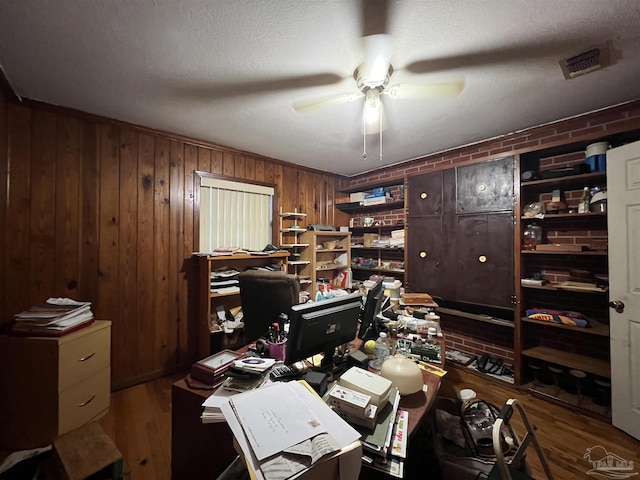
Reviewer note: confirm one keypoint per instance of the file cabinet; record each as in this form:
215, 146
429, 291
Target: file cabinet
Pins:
52, 385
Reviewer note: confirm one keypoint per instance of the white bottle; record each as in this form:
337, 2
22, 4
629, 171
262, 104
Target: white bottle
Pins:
381, 351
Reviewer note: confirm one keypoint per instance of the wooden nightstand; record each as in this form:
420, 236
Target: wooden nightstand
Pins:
52, 385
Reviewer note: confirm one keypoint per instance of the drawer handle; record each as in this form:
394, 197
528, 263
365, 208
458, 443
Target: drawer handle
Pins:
84, 359
87, 402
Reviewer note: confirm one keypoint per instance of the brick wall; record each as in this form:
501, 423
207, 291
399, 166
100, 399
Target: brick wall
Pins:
476, 337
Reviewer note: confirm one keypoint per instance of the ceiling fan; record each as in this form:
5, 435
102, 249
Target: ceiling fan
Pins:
373, 77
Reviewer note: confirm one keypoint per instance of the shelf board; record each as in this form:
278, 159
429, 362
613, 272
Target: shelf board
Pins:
583, 178
356, 207
595, 327
293, 245
564, 252
298, 262
378, 269
389, 249
474, 316
293, 230
293, 215
554, 216
575, 361
226, 294
385, 183
557, 287
332, 266
328, 250
245, 256
356, 231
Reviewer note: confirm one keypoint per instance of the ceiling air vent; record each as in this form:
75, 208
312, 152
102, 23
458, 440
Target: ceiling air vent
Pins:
586, 62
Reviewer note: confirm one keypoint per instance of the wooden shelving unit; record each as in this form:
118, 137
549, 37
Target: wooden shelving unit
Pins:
209, 300
290, 239
324, 263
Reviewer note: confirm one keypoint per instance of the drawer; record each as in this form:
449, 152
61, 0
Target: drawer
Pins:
83, 357
84, 401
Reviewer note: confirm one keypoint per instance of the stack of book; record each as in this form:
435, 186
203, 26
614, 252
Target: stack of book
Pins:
53, 318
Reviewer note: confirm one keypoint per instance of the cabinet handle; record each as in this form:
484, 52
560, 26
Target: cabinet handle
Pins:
423, 195
87, 402
482, 259
84, 359
482, 187
423, 254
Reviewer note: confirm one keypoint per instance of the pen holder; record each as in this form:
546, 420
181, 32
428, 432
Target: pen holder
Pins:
277, 350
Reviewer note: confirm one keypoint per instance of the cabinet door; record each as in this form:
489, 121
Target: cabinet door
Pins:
425, 194
484, 247
427, 269
485, 187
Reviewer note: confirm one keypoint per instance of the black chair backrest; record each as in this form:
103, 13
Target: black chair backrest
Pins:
265, 295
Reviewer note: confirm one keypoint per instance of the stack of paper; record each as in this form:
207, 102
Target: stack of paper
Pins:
284, 428
54, 317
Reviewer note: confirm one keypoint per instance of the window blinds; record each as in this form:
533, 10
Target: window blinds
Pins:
234, 214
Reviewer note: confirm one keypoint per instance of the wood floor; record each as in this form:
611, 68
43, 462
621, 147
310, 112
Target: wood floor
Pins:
139, 422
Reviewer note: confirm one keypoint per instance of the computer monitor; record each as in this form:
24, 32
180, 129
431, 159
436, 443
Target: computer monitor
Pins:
372, 305
321, 327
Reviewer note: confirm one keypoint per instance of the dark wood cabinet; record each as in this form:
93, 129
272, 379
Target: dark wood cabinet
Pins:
485, 187
425, 194
460, 234
484, 254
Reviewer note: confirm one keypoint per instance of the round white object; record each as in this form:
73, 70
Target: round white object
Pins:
403, 373
466, 394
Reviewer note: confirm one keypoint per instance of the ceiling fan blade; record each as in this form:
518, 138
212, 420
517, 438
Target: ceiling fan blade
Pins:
425, 90
375, 68
512, 53
374, 17
207, 91
305, 106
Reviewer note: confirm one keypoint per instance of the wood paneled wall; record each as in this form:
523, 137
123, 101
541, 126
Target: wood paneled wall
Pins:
98, 210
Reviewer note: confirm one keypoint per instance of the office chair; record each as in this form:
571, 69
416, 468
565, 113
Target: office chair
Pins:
264, 296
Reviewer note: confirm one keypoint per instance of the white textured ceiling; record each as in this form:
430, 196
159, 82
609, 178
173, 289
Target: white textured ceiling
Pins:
228, 71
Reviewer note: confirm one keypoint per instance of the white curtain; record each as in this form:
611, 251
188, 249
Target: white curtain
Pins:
234, 214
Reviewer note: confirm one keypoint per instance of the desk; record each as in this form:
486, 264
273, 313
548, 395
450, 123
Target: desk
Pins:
203, 451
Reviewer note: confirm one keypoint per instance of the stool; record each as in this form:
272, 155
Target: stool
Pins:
555, 373
603, 393
579, 375
536, 372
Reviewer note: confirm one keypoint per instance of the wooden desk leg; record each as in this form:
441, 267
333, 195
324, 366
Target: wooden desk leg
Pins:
198, 451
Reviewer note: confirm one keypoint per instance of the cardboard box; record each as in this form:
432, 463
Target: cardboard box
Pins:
369, 239
357, 197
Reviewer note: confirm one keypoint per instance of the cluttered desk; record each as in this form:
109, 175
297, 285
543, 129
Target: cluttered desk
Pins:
361, 413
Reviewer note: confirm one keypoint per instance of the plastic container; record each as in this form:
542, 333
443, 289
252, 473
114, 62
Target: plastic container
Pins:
596, 156
381, 351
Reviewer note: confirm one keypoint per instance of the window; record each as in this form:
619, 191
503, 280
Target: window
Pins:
235, 214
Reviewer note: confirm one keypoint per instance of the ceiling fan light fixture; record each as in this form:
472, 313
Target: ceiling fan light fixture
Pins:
372, 106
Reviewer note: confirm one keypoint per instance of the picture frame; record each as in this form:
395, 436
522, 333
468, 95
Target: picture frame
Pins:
210, 369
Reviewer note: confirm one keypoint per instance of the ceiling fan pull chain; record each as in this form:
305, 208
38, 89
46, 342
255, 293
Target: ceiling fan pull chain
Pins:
364, 132
380, 130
